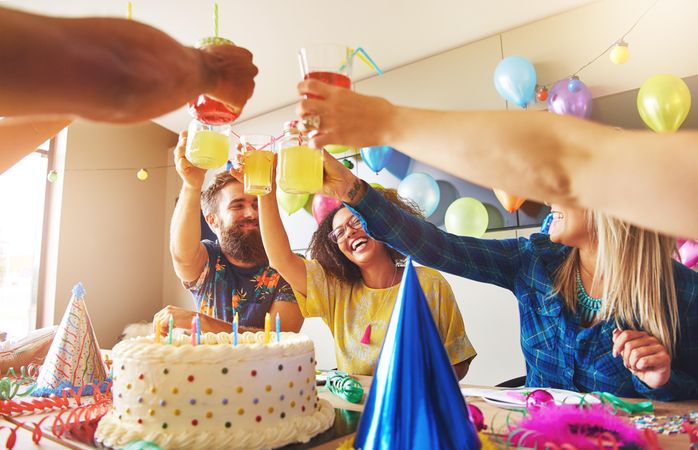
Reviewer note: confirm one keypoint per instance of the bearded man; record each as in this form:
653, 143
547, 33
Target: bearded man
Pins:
232, 274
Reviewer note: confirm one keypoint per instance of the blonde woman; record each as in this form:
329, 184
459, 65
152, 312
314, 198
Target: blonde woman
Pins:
602, 305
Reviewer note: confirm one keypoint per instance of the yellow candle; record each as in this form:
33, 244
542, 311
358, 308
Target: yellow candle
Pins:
267, 327
157, 331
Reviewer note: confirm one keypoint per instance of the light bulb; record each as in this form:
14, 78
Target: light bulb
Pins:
619, 53
142, 174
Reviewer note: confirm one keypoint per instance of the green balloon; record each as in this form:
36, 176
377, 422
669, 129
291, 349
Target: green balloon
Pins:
291, 202
334, 148
466, 217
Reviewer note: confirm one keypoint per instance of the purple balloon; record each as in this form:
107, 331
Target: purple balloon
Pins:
539, 398
564, 102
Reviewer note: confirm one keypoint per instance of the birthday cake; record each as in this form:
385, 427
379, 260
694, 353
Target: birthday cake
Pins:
215, 395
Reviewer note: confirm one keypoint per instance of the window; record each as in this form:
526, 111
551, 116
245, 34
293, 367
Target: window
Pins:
22, 194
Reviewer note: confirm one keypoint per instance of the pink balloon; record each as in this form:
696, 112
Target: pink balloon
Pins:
688, 253
323, 205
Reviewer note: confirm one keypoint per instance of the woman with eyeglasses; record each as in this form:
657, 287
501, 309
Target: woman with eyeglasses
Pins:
602, 306
352, 284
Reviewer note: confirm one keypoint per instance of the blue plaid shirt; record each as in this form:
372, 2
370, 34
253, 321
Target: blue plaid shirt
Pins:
559, 351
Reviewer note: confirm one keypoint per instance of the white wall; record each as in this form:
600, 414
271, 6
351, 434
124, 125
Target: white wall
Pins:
110, 232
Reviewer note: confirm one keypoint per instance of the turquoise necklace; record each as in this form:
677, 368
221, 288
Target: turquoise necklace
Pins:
589, 305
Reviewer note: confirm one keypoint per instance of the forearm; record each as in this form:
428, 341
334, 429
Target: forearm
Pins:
21, 136
560, 159
185, 234
681, 386
277, 246
212, 325
488, 261
99, 68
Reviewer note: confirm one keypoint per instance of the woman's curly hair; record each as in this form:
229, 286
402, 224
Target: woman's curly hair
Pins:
331, 258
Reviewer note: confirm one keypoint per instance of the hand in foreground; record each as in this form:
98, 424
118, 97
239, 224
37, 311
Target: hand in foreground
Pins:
644, 356
192, 176
346, 118
231, 72
181, 318
340, 182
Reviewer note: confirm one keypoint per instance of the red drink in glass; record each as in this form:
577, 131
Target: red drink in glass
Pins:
212, 112
333, 78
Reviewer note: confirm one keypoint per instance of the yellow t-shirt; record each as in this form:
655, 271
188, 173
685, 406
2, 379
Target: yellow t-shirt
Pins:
347, 309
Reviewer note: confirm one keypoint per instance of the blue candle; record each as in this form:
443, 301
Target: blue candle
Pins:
278, 328
235, 330
198, 330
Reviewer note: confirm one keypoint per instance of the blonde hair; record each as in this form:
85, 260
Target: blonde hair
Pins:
635, 272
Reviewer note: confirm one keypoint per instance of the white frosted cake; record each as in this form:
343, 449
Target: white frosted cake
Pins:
214, 395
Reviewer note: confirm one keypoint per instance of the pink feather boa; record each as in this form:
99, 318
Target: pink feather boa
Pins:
569, 427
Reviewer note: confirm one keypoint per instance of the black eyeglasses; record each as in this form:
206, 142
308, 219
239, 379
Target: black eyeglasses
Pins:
340, 233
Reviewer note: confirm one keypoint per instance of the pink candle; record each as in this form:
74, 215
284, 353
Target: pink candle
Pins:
193, 330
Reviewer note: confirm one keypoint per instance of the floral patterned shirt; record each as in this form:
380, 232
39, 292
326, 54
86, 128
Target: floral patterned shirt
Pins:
224, 289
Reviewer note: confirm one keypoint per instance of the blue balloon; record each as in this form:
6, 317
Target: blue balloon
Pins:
376, 158
422, 189
515, 80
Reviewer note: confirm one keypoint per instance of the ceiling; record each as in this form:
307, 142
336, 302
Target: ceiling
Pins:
393, 32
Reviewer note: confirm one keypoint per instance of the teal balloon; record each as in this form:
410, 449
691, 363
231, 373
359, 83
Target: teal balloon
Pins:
466, 217
376, 158
422, 189
515, 80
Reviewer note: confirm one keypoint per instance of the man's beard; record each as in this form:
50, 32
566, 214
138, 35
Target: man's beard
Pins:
245, 246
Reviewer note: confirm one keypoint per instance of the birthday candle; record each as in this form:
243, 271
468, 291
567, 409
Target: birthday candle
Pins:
198, 330
193, 330
158, 330
235, 330
278, 328
169, 330
267, 327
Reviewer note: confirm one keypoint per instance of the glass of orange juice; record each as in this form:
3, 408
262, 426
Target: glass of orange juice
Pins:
257, 155
300, 166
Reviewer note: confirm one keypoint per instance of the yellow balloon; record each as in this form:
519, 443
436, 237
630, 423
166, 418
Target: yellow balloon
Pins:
619, 54
291, 202
377, 186
466, 217
334, 148
663, 102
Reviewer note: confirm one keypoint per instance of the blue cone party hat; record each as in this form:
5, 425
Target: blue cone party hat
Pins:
415, 401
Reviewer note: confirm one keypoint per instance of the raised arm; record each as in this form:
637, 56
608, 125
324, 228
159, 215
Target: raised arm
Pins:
639, 176
487, 260
189, 255
281, 257
112, 70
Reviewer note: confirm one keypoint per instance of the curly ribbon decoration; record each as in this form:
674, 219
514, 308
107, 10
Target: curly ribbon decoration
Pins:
628, 407
345, 387
11, 383
10, 407
80, 421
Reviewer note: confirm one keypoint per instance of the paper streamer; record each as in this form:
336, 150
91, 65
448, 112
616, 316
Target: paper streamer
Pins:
345, 387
